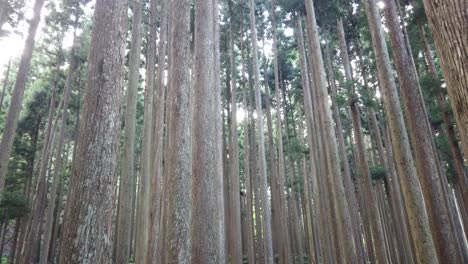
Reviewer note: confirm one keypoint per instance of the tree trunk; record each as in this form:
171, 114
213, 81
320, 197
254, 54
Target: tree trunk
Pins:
33, 237
448, 23
207, 226
124, 217
5, 84
344, 226
234, 236
142, 228
158, 142
179, 141
14, 246
421, 138
58, 156
263, 181
280, 173
89, 212
414, 201
11, 122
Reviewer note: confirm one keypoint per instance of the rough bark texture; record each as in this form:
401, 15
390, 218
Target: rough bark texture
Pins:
87, 236
337, 189
448, 21
11, 122
143, 199
414, 202
158, 142
207, 227
320, 252
248, 182
234, 235
420, 132
33, 237
179, 142
58, 157
347, 180
284, 250
263, 181
124, 218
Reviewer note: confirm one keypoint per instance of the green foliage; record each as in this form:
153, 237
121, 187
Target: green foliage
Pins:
378, 173
13, 205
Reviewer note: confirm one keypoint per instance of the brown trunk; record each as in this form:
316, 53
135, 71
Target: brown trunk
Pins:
5, 84
58, 156
248, 181
457, 157
279, 173
414, 201
179, 141
234, 236
89, 212
448, 23
2, 240
143, 198
33, 237
263, 181
341, 209
14, 245
158, 142
11, 122
124, 217
422, 142
207, 226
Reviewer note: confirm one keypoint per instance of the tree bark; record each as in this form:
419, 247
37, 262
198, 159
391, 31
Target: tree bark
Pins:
5, 84
414, 201
263, 181
179, 141
87, 236
11, 122
128, 167
158, 142
448, 22
234, 236
143, 199
344, 225
58, 156
420, 132
207, 226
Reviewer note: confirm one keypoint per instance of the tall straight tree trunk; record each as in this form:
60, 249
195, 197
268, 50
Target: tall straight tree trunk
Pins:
33, 237
87, 236
143, 199
322, 251
457, 157
128, 159
448, 22
284, 253
421, 138
363, 178
263, 182
58, 154
343, 217
348, 182
5, 84
179, 142
158, 142
11, 122
207, 226
260, 250
247, 149
234, 236
414, 201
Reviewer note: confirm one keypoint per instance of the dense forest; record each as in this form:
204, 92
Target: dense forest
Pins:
233, 131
